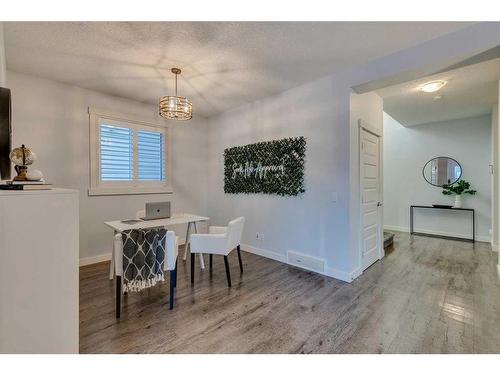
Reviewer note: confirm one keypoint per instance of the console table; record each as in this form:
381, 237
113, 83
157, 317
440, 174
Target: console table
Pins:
471, 210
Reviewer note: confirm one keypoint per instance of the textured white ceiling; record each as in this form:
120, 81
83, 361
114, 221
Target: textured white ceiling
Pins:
470, 91
224, 64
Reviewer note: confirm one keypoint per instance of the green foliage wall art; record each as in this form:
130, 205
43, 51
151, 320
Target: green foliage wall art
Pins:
274, 167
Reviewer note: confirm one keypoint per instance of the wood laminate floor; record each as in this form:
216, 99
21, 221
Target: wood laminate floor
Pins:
426, 296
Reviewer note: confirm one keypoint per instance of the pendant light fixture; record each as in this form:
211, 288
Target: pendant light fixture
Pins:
176, 107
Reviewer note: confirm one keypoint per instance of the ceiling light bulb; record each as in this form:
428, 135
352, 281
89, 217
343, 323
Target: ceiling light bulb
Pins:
432, 86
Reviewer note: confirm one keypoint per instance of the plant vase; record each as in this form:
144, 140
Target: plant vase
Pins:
458, 201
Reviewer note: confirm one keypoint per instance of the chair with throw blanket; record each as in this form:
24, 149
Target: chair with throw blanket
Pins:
141, 213
141, 257
218, 241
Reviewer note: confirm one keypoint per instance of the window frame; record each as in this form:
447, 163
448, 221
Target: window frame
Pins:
99, 187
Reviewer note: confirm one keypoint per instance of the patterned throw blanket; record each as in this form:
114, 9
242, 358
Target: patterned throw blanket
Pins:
143, 258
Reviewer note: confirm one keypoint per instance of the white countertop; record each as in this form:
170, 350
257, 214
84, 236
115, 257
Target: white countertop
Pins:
176, 219
38, 192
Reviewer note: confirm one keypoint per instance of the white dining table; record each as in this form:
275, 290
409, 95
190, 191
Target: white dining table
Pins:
176, 219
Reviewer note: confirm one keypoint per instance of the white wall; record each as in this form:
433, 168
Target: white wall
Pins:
495, 202
3, 63
311, 223
52, 118
406, 150
496, 124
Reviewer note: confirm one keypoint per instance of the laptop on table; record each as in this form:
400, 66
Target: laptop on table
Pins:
157, 210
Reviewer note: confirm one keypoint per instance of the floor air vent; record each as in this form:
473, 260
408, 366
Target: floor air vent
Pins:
306, 261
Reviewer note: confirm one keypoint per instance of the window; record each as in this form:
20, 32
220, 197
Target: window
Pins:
116, 151
151, 156
127, 156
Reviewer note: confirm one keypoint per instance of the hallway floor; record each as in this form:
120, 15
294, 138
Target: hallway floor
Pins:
427, 295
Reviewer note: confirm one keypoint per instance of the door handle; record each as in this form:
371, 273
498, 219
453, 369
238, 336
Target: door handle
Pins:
379, 204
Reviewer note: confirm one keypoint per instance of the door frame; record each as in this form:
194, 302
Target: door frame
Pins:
363, 125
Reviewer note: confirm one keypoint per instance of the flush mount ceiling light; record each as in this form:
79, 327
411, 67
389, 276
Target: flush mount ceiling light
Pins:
432, 86
176, 107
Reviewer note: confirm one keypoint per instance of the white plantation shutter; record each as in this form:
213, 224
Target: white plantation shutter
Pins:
117, 163
150, 156
127, 156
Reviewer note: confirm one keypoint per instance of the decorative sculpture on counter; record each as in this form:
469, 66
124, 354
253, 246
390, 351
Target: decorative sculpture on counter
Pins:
22, 157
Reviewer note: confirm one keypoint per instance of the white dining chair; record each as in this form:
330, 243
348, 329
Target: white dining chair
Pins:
170, 264
218, 241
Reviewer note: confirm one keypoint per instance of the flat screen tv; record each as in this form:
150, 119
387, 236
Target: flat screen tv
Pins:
5, 134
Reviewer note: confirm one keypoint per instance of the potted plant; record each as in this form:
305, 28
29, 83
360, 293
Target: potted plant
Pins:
458, 188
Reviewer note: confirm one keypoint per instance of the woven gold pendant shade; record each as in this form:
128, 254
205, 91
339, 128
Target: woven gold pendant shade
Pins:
176, 107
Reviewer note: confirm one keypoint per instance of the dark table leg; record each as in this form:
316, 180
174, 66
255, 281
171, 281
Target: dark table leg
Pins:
172, 288
411, 220
118, 295
175, 281
192, 267
473, 226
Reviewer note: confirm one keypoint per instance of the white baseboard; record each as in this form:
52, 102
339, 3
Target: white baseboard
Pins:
437, 233
356, 273
264, 253
342, 275
95, 259
395, 228
332, 272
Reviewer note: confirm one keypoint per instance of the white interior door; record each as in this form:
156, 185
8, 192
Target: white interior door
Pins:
371, 222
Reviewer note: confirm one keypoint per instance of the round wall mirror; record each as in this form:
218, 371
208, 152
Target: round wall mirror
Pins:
442, 171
